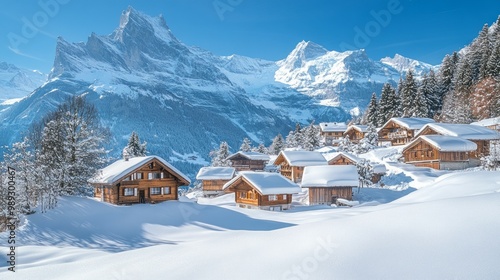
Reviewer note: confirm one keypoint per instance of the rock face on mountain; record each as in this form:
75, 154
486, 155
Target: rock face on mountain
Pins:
184, 100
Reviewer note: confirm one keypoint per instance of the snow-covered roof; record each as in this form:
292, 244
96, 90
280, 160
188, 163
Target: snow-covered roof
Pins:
266, 183
216, 173
350, 156
326, 149
303, 158
333, 126
330, 176
447, 143
379, 168
466, 131
411, 123
121, 168
488, 122
250, 155
358, 127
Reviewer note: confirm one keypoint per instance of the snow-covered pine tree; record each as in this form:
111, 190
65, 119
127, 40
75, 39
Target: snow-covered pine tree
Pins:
432, 92
219, 157
368, 143
408, 93
478, 54
420, 108
463, 85
371, 115
294, 138
134, 147
246, 146
345, 145
493, 64
365, 171
398, 108
260, 149
447, 72
387, 105
277, 146
310, 139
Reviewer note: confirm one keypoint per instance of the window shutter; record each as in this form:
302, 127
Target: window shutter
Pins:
162, 191
135, 191
150, 176
162, 175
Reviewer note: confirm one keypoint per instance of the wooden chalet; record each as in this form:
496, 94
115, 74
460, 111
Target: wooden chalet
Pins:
248, 161
291, 163
356, 132
400, 131
213, 179
332, 132
328, 183
343, 158
482, 136
262, 190
491, 123
147, 179
440, 152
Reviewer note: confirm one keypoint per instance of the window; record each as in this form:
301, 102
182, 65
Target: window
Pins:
155, 175
128, 191
284, 197
136, 176
273, 197
155, 191
166, 190
243, 195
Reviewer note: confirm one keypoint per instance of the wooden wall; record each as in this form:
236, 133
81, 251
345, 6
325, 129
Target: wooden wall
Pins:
389, 132
246, 194
354, 135
321, 195
213, 185
241, 163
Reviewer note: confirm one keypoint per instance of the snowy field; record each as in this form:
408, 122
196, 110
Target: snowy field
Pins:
436, 225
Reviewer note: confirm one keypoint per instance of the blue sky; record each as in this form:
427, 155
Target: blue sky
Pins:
269, 29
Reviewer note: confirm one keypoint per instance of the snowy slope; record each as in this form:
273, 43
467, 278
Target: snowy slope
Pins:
446, 230
403, 64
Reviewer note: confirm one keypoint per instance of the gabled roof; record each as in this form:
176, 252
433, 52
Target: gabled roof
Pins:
265, 182
445, 143
250, 156
333, 126
216, 173
329, 176
466, 131
301, 158
488, 122
359, 127
116, 171
410, 123
334, 156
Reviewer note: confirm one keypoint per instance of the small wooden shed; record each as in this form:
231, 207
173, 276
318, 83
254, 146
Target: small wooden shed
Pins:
292, 163
214, 178
262, 190
248, 161
440, 152
328, 183
399, 131
146, 179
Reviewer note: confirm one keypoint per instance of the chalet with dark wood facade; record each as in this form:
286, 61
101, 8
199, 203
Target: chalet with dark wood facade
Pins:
332, 132
328, 183
248, 161
262, 190
482, 136
356, 132
291, 163
213, 179
400, 131
441, 152
147, 179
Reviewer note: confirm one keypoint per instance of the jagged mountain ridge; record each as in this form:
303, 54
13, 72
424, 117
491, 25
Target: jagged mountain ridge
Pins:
16, 82
185, 100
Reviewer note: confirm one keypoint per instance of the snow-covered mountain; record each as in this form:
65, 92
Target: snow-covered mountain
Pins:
17, 82
183, 100
403, 64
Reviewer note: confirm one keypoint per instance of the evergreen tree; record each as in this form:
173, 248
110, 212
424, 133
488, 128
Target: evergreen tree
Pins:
387, 105
398, 108
345, 145
368, 143
134, 147
420, 108
447, 73
432, 92
371, 115
493, 64
365, 171
219, 157
408, 93
246, 146
478, 54
260, 149
311, 137
277, 146
461, 94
